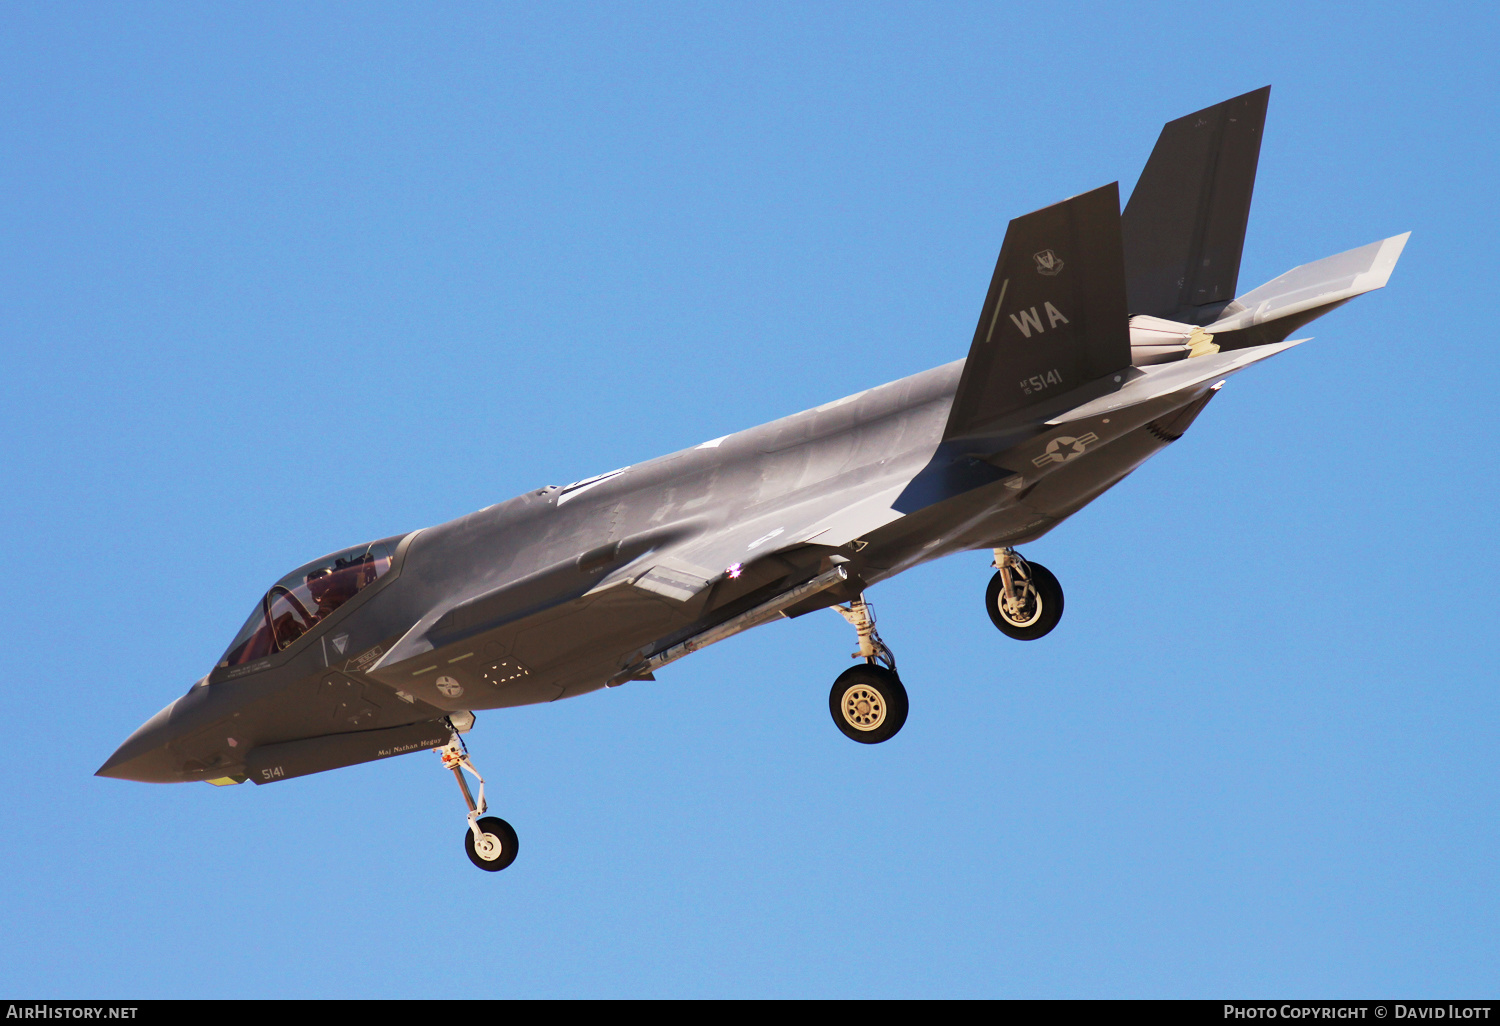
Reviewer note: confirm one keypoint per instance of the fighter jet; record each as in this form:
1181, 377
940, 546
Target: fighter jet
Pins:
1103, 335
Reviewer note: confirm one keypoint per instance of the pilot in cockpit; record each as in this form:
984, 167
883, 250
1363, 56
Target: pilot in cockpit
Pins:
330, 589
320, 587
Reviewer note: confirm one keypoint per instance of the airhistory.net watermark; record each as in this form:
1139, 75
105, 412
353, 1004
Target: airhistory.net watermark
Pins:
42, 1010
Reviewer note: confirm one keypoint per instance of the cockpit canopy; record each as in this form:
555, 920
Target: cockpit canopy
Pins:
307, 595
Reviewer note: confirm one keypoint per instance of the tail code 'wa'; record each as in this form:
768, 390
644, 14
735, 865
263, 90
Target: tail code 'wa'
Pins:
1030, 320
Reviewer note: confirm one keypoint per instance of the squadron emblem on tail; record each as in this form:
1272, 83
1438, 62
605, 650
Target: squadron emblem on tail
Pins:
1047, 262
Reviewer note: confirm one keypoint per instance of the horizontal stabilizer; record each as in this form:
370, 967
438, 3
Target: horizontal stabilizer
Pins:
1054, 318
1279, 307
1163, 379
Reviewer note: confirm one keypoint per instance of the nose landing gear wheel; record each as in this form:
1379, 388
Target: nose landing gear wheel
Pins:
868, 704
496, 847
1036, 606
490, 841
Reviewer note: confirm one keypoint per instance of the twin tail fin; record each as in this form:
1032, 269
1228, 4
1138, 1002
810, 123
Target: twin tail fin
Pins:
1184, 226
1054, 318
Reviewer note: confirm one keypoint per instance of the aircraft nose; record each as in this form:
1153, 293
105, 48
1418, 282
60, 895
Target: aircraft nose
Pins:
144, 754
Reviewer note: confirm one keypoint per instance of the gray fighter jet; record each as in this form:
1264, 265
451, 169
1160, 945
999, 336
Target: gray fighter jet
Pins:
1103, 335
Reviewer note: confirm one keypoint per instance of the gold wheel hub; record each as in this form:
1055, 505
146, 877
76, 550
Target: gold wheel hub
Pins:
863, 707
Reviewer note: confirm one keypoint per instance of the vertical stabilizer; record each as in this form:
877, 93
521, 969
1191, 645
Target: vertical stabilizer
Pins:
1054, 318
1184, 225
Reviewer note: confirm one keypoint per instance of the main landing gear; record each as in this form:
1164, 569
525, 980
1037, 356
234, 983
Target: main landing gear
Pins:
490, 841
868, 702
1024, 600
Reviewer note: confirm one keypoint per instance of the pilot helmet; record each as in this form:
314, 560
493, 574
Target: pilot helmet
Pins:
318, 580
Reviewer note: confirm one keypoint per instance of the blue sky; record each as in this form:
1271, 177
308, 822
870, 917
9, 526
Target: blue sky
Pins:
282, 278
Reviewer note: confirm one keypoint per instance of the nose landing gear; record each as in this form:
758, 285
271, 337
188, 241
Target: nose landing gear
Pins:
491, 842
1024, 600
868, 703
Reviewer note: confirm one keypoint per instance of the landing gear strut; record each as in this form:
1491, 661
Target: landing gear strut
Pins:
1024, 600
868, 702
490, 841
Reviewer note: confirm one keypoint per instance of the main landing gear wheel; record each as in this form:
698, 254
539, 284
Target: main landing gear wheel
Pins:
1024, 600
496, 846
868, 704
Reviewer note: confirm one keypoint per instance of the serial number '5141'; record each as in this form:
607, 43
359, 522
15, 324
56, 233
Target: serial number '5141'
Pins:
1041, 382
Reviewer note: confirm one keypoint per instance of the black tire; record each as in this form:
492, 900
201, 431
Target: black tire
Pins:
1043, 611
505, 838
868, 703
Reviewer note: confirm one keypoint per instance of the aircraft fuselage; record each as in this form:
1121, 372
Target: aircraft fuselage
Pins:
530, 600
